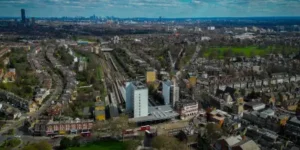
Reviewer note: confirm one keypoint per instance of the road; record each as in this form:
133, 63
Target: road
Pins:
56, 91
192, 60
57, 88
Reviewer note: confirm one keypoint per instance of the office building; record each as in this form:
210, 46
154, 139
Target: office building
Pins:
151, 76
99, 111
136, 98
187, 108
170, 92
192, 79
23, 17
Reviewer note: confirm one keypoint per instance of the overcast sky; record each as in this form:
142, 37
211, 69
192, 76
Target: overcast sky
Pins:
151, 8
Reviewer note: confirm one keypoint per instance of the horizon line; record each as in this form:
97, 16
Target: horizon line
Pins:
157, 17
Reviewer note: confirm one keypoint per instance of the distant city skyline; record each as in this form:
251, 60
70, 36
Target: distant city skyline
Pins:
151, 8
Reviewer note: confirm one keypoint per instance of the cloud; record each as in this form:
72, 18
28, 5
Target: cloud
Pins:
154, 8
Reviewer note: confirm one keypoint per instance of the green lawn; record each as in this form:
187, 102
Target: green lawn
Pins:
107, 145
248, 51
245, 51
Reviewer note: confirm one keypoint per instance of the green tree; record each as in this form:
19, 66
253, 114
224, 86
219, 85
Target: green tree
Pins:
65, 143
27, 89
42, 145
119, 124
213, 132
163, 142
11, 132
213, 55
9, 144
131, 144
75, 142
228, 53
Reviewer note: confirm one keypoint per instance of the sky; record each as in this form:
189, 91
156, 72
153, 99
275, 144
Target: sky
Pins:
150, 8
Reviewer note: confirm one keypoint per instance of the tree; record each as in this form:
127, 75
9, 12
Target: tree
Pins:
65, 143
27, 89
11, 132
213, 132
203, 143
228, 53
75, 141
8, 144
213, 55
114, 126
44, 145
131, 144
119, 124
163, 142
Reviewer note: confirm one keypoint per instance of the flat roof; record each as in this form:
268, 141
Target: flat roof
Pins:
157, 113
168, 82
139, 85
100, 103
295, 120
232, 140
99, 112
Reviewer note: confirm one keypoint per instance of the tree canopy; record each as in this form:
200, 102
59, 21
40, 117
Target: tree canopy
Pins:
43, 145
163, 142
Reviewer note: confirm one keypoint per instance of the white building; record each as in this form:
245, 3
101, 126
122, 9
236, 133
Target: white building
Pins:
211, 28
136, 98
170, 92
116, 39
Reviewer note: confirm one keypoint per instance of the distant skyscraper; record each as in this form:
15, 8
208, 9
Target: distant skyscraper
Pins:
23, 15
32, 20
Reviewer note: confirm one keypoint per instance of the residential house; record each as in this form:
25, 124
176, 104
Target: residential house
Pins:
52, 128
55, 109
11, 112
10, 76
41, 95
262, 136
6, 61
235, 143
292, 128
33, 106
254, 106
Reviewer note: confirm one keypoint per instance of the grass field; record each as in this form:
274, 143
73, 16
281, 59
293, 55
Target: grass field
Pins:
107, 145
245, 51
248, 51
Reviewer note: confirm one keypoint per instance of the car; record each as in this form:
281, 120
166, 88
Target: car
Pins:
18, 136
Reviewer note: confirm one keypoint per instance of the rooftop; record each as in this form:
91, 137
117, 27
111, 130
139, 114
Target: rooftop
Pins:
139, 85
249, 145
295, 120
157, 113
168, 82
101, 103
233, 140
